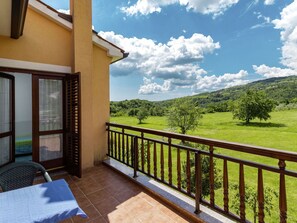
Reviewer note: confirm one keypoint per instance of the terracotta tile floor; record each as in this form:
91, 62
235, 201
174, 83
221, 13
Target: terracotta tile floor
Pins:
107, 196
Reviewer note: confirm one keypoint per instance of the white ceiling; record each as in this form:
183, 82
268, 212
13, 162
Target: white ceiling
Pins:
5, 17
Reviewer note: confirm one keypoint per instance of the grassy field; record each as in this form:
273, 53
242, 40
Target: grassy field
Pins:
280, 132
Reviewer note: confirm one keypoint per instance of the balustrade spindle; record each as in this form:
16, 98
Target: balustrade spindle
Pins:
115, 146
211, 176
260, 197
188, 172
142, 152
112, 142
127, 149
108, 141
132, 150
282, 192
241, 193
155, 160
123, 145
135, 151
226, 187
162, 162
198, 181
119, 146
169, 162
148, 158
178, 169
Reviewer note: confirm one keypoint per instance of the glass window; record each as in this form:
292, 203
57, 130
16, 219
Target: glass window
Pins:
51, 147
50, 104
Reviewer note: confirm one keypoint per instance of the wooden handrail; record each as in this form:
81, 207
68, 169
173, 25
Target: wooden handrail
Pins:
255, 150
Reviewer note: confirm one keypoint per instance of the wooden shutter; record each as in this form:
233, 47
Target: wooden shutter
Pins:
73, 142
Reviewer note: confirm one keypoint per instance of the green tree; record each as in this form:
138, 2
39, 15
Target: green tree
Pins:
251, 200
184, 115
142, 114
251, 105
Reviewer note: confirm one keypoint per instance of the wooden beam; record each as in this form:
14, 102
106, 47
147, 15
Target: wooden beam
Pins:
18, 16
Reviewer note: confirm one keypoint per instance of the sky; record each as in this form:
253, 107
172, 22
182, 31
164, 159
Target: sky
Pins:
184, 47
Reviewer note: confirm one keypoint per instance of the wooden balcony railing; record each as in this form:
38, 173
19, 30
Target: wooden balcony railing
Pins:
177, 160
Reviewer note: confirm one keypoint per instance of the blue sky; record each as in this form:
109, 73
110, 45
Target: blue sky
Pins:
185, 47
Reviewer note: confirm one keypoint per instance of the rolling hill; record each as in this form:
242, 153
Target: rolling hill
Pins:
281, 89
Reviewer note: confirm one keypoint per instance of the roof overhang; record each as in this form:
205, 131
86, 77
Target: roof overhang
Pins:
50, 13
112, 50
13, 14
12, 17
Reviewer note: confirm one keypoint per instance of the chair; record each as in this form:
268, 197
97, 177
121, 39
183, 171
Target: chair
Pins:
20, 174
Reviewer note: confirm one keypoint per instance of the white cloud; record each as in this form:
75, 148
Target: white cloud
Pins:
266, 21
269, 72
65, 11
268, 2
211, 83
165, 66
178, 58
288, 24
206, 7
150, 87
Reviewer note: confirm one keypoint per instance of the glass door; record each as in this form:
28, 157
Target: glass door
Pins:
48, 127
7, 126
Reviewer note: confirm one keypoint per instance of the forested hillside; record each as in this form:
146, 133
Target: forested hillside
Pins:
283, 90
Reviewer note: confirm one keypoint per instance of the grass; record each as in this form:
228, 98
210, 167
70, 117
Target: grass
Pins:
280, 132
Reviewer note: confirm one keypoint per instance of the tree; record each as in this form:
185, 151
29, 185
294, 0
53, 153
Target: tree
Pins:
251, 105
184, 115
142, 114
251, 199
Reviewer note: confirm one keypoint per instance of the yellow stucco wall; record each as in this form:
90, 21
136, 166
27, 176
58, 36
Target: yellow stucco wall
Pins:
83, 63
100, 101
43, 41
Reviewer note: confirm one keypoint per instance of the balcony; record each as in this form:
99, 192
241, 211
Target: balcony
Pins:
178, 163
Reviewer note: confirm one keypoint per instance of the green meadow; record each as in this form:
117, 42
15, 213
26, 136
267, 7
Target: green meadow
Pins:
279, 132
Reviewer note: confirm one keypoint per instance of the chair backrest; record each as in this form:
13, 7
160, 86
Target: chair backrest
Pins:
20, 174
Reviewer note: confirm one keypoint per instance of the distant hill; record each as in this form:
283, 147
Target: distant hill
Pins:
281, 89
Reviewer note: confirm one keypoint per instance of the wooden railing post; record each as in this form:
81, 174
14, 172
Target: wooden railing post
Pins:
241, 193
108, 140
142, 151
178, 166
260, 197
282, 192
169, 162
148, 155
211, 176
123, 145
198, 181
188, 172
155, 160
135, 151
226, 187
